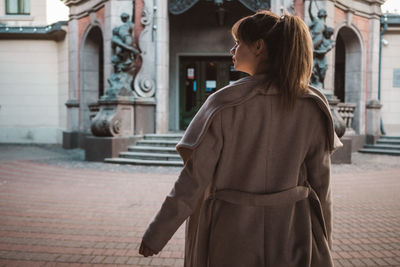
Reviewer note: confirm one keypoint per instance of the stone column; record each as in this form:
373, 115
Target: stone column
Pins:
108, 26
373, 121
373, 58
70, 135
162, 65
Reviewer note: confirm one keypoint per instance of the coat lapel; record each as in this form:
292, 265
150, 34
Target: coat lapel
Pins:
235, 94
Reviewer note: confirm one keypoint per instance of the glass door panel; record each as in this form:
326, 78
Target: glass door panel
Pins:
199, 78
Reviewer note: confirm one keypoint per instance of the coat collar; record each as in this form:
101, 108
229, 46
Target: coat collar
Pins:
236, 93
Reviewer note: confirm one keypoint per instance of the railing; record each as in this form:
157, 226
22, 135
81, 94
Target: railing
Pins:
346, 111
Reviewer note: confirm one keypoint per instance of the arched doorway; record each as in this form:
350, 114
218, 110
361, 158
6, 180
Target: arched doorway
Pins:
92, 77
348, 73
200, 61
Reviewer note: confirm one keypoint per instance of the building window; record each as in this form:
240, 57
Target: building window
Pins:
17, 7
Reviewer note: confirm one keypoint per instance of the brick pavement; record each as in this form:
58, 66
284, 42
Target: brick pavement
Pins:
53, 215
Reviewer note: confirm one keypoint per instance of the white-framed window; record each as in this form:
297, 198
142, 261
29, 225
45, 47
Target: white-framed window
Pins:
17, 7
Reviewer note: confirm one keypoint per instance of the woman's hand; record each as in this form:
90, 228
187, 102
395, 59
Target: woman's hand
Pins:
146, 251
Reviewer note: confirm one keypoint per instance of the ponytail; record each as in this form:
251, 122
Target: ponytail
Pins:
294, 60
289, 48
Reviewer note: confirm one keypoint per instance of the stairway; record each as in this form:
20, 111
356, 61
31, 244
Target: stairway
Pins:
153, 149
388, 145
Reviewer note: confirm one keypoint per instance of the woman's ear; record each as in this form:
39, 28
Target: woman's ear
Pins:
259, 46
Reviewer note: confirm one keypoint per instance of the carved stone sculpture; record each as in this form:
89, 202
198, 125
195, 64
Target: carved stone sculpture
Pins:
320, 65
321, 36
123, 51
144, 84
115, 117
322, 43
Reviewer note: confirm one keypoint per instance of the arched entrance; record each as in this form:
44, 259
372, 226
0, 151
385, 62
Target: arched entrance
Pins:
348, 73
200, 62
91, 73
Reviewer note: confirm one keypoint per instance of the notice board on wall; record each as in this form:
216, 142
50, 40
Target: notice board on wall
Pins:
396, 78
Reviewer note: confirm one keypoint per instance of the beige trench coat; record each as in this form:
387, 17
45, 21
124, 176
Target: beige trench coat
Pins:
255, 187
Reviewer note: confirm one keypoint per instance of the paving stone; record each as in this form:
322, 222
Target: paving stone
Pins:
58, 210
121, 260
133, 260
86, 259
98, 259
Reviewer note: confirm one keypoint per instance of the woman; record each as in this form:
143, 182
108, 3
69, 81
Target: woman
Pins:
255, 186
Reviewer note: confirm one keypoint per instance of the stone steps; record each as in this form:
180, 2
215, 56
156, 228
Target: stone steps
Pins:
153, 149
389, 137
144, 162
386, 145
149, 156
157, 143
383, 146
389, 141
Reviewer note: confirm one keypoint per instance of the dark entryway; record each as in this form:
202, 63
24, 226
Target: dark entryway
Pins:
198, 78
92, 74
348, 73
340, 60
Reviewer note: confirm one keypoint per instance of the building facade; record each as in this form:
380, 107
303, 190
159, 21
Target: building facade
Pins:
33, 74
390, 74
184, 57
188, 44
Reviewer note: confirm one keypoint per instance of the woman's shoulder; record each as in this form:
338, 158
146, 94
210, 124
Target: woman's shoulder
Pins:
322, 105
232, 93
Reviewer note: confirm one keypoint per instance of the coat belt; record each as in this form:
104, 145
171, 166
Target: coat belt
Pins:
289, 196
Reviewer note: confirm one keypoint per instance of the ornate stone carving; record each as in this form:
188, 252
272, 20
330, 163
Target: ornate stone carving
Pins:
115, 117
338, 122
144, 84
322, 43
177, 7
346, 111
123, 51
255, 5
119, 85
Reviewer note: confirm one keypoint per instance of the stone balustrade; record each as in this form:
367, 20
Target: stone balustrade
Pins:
346, 111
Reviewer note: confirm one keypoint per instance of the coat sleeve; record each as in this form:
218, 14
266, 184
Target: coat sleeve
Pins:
188, 189
318, 163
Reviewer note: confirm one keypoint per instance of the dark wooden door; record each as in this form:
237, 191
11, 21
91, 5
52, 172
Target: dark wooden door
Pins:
199, 77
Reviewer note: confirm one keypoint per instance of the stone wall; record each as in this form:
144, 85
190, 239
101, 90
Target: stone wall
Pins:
33, 86
390, 91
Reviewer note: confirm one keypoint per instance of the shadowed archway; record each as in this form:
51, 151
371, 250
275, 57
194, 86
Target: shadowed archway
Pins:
91, 73
348, 72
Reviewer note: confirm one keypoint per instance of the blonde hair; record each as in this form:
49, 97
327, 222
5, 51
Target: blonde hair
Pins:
289, 47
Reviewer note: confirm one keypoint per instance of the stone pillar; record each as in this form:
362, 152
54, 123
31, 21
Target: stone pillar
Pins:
162, 65
373, 121
373, 58
71, 134
108, 26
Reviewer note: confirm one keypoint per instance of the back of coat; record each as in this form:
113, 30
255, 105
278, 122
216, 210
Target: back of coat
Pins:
254, 146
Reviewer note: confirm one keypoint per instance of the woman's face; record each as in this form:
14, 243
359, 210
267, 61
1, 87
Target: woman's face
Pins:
246, 58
